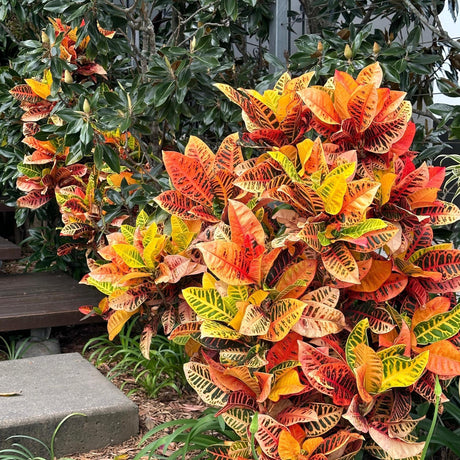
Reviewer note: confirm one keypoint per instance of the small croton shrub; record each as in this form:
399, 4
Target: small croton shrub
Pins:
298, 269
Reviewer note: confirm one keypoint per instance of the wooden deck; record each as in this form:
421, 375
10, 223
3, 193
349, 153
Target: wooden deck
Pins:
38, 300
8, 250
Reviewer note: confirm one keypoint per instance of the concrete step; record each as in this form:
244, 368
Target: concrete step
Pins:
54, 386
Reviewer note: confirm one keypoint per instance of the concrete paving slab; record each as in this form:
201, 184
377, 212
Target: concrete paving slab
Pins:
55, 386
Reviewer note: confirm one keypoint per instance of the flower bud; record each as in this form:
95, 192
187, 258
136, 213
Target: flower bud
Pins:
376, 48
320, 47
68, 77
347, 52
86, 106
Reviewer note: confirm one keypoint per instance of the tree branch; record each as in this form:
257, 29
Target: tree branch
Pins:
367, 17
9, 33
121, 8
423, 113
439, 31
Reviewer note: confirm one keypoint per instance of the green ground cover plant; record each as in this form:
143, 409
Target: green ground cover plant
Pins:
163, 368
12, 347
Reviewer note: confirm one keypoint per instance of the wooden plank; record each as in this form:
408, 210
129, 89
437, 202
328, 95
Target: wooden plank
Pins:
36, 300
8, 250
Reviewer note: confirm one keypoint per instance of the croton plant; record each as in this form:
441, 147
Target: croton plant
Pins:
318, 317
298, 268
56, 171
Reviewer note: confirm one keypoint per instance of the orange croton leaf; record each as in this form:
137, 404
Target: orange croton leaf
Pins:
379, 272
440, 213
433, 307
304, 270
341, 264
320, 103
362, 106
199, 151
444, 358
188, 177
228, 261
229, 154
24, 92
175, 203
243, 222
288, 447
393, 286
373, 73
372, 368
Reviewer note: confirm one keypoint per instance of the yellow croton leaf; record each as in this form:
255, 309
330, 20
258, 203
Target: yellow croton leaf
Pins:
41, 88
153, 249
387, 180
217, 330
373, 367
117, 321
304, 150
180, 234
288, 447
287, 384
270, 98
236, 322
332, 192
208, 281
149, 233
399, 371
257, 297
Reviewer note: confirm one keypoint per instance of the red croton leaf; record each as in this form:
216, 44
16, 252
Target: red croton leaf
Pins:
229, 154
335, 380
176, 203
35, 199
188, 177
